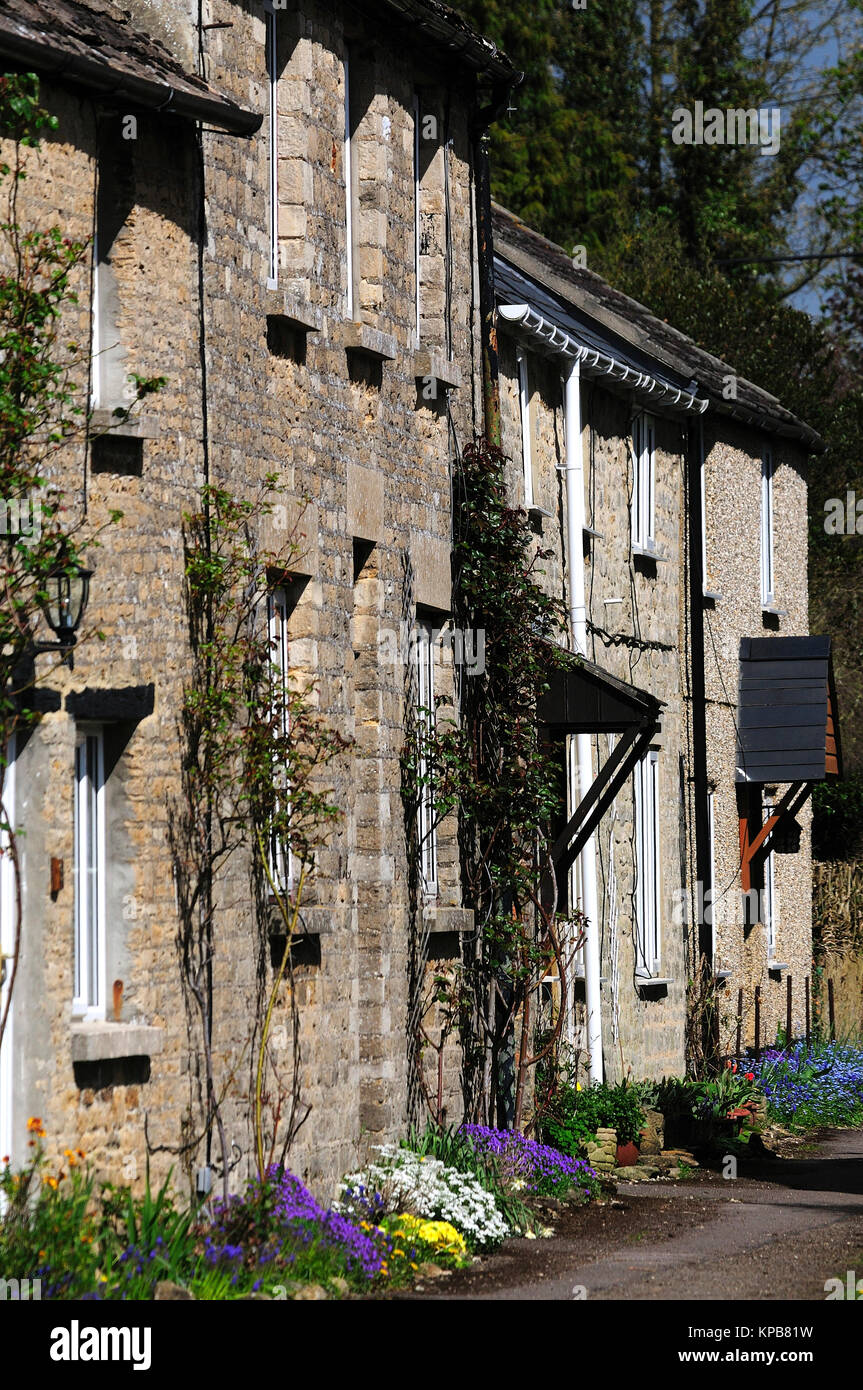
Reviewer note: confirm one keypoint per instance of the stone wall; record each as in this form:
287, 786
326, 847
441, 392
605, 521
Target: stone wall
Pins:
342, 412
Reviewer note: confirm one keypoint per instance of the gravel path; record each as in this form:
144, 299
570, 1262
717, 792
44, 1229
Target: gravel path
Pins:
775, 1234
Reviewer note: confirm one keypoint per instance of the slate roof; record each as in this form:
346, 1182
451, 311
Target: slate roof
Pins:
446, 27
621, 320
98, 46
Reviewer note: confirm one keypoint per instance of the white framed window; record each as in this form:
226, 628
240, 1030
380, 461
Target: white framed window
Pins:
281, 863
710, 904
705, 583
7, 947
524, 409
647, 865
272, 149
417, 218
769, 904
89, 874
348, 164
644, 482
574, 795
112, 241
426, 719
767, 580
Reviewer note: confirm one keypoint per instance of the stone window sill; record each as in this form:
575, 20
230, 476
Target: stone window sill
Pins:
447, 919
711, 595
136, 427
298, 313
647, 552
428, 363
360, 338
311, 920
646, 983
101, 1042
776, 967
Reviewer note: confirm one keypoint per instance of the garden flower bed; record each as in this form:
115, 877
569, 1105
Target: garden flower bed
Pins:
815, 1086
403, 1214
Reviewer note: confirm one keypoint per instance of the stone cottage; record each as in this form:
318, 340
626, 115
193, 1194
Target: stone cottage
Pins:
287, 219
281, 201
672, 495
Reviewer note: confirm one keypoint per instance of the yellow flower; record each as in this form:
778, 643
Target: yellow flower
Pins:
399, 1252
51, 1182
34, 1124
578, 1085
70, 1154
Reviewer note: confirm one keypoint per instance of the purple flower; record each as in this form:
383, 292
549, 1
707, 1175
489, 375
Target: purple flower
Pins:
540, 1167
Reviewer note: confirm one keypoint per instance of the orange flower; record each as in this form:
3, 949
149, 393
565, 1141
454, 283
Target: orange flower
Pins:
70, 1154
35, 1126
51, 1182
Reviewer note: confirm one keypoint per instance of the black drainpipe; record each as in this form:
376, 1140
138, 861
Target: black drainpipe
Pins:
484, 116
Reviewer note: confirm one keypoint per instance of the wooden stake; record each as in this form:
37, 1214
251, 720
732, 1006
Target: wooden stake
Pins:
831, 1006
788, 989
757, 1022
808, 1020
739, 1050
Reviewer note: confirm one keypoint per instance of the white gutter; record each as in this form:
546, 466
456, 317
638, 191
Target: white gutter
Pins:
556, 341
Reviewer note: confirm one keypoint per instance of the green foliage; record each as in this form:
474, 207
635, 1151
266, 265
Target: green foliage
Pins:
837, 829
734, 1088
492, 767
254, 752
574, 1114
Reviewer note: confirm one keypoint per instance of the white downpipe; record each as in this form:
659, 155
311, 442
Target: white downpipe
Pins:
575, 520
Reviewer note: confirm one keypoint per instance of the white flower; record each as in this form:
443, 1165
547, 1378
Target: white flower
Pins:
426, 1187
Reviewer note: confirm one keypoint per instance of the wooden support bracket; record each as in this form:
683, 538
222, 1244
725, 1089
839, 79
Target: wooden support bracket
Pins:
754, 848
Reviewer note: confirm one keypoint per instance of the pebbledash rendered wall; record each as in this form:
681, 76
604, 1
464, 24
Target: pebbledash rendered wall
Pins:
733, 552
351, 424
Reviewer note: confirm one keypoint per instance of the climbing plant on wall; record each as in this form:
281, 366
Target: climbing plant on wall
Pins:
253, 751
487, 762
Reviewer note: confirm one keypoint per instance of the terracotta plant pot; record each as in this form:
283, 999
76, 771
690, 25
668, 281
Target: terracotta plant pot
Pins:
627, 1155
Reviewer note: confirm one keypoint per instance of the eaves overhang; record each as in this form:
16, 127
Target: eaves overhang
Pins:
444, 27
534, 316
90, 48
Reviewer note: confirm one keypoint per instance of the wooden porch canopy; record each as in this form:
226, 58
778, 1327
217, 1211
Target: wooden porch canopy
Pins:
787, 732
584, 699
